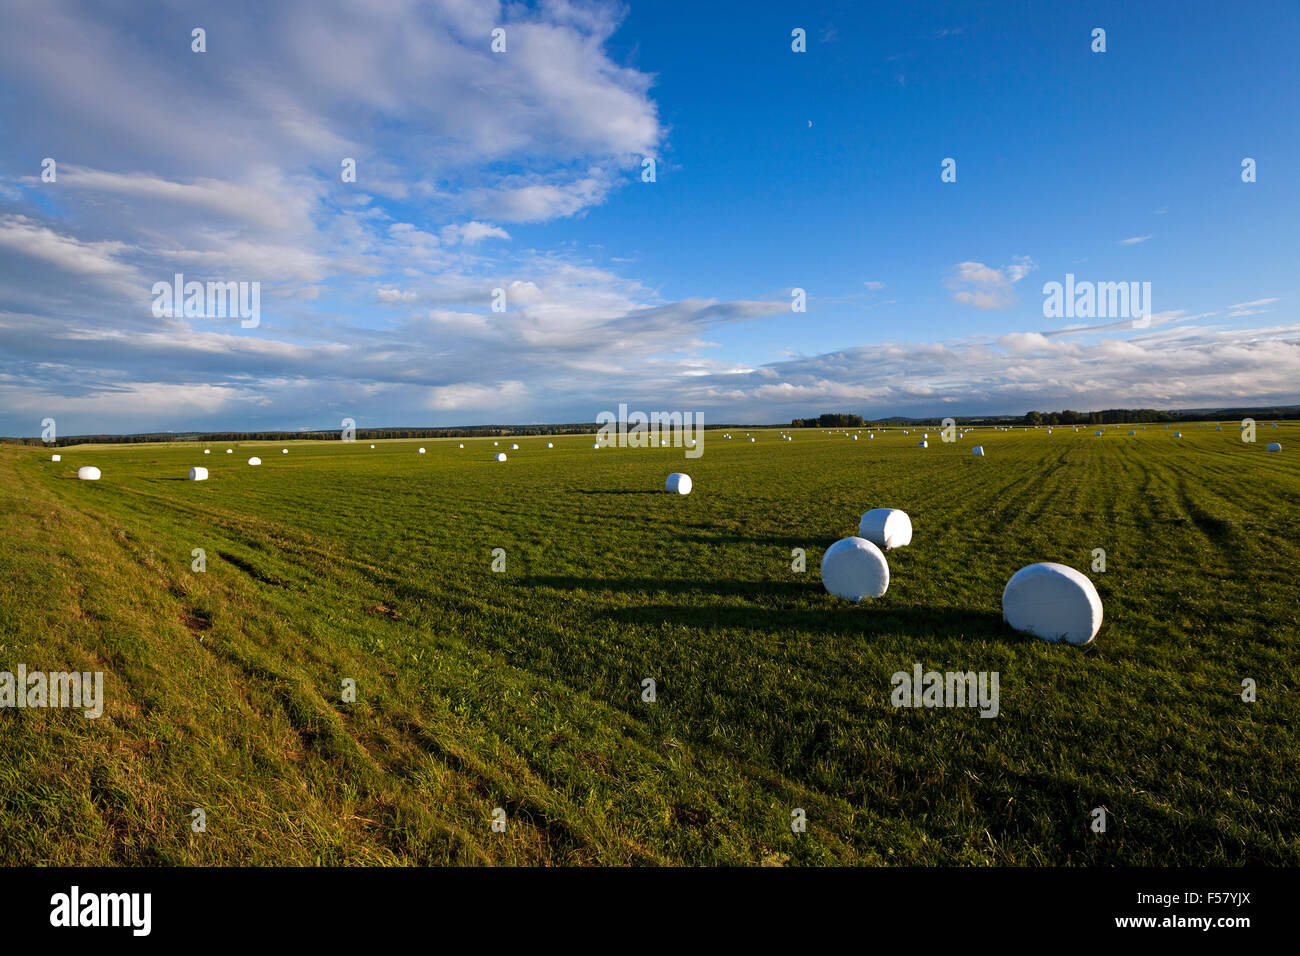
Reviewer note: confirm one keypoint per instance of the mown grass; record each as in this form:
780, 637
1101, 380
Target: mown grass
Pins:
522, 689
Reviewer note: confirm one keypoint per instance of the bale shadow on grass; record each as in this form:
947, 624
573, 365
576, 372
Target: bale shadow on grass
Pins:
922, 621
836, 617
677, 586
620, 491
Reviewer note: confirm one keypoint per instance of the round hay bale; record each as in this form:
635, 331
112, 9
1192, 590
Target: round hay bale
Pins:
254, 461
56, 458
595, 444
854, 569
372, 446
550, 444
923, 444
886, 528
230, 451
421, 451
500, 456
978, 451
284, 451
461, 445
1272, 446
207, 451
1054, 602
514, 447
678, 484
88, 473
198, 474
1178, 434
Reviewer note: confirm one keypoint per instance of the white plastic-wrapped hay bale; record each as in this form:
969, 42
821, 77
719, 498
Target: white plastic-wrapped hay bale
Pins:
207, 451
751, 439
230, 451
1274, 446
500, 456
855, 569
923, 444
462, 445
678, 484
56, 458
925, 434
421, 451
372, 446
88, 473
284, 451
254, 461
550, 445
198, 474
978, 451
514, 447
886, 528
1054, 602
595, 444
495, 443
1178, 434
854, 437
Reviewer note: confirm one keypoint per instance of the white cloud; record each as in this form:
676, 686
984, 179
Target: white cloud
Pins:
981, 286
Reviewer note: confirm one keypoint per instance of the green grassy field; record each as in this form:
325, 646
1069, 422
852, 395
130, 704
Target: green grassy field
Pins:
522, 689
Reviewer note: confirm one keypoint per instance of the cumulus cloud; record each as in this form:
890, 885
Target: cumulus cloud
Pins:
981, 286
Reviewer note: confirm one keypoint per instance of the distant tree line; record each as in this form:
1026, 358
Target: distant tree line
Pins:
1110, 416
829, 420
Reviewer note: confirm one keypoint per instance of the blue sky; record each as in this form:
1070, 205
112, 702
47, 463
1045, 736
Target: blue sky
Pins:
521, 170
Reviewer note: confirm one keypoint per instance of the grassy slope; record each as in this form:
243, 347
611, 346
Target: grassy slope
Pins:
521, 690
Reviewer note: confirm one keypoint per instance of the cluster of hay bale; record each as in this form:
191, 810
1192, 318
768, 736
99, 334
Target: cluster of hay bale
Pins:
1046, 600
